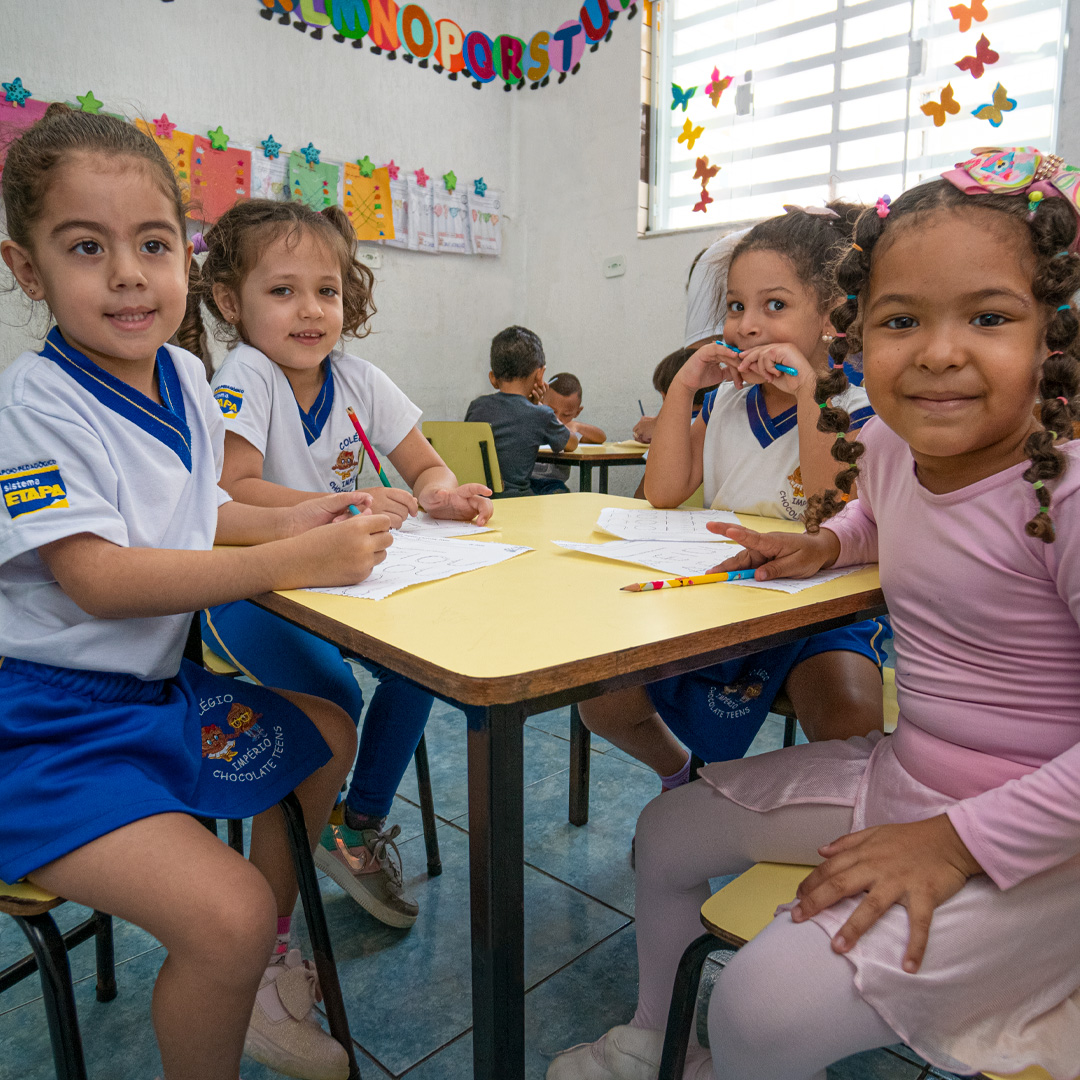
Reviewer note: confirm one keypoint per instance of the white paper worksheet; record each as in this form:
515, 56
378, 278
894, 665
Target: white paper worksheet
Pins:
662, 524
690, 558
414, 559
426, 525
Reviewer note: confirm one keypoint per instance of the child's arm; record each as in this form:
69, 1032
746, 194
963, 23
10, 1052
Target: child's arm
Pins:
315, 544
587, 433
242, 478
435, 486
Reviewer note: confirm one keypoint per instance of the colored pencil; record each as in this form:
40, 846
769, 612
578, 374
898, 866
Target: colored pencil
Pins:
354, 509
779, 367
679, 582
733, 348
368, 447
640, 406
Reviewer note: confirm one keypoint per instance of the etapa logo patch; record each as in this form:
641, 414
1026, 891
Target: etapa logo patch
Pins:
29, 488
229, 399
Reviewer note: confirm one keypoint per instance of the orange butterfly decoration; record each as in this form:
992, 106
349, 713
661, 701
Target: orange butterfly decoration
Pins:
717, 86
705, 171
706, 198
948, 104
983, 55
964, 14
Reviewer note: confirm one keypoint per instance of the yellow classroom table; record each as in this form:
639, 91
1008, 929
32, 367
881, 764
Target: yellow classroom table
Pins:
598, 455
478, 639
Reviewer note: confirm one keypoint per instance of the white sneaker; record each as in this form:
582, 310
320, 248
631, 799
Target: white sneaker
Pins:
284, 1033
624, 1053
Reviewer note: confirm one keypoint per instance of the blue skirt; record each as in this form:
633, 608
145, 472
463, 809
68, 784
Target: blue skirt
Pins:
83, 753
716, 712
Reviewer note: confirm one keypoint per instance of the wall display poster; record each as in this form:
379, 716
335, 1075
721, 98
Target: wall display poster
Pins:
219, 178
451, 222
421, 217
15, 118
177, 148
367, 201
269, 177
485, 222
399, 201
315, 184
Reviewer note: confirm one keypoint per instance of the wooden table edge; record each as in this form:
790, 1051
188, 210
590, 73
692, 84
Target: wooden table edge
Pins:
564, 683
573, 458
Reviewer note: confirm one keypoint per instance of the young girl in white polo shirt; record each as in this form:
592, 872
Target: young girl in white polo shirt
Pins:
283, 285
110, 452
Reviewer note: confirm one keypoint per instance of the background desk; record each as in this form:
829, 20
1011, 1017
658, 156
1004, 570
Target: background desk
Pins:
601, 455
482, 639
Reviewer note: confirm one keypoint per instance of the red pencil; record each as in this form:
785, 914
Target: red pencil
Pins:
368, 447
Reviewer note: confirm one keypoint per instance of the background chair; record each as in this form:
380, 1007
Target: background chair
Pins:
468, 449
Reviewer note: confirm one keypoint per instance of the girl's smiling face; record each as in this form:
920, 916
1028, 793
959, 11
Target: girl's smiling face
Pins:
768, 303
953, 341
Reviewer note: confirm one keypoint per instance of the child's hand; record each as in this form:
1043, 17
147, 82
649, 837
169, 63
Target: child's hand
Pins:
396, 504
644, 428
776, 555
919, 865
710, 365
469, 502
343, 553
759, 365
312, 513
539, 391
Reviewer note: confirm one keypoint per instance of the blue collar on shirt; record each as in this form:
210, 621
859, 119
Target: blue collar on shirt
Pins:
315, 420
167, 422
767, 429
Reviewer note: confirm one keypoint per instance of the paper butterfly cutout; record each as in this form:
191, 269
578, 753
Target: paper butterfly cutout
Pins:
311, 154
948, 104
983, 55
1002, 103
718, 86
88, 103
421, 177
393, 169
450, 180
218, 139
271, 147
691, 134
706, 198
681, 97
479, 187
964, 14
15, 92
705, 171
164, 127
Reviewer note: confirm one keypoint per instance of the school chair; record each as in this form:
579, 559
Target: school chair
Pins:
468, 448
733, 916
220, 666
783, 707
30, 907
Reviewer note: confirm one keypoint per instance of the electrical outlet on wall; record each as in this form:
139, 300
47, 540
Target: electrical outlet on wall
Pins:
371, 259
614, 266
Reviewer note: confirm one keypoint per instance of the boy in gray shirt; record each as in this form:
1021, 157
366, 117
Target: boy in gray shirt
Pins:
519, 425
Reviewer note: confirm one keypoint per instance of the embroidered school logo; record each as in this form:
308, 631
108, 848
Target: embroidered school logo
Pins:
29, 488
345, 465
243, 718
795, 480
216, 744
229, 400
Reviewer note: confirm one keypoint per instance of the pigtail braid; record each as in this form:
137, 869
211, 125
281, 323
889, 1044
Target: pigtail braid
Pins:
191, 334
852, 273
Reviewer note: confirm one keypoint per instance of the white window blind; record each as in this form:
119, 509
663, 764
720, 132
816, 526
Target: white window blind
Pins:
826, 98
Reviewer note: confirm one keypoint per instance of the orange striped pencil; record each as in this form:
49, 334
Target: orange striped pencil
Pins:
679, 582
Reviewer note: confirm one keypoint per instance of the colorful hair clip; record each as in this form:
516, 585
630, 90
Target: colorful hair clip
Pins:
1034, 199
883, 206
198, 244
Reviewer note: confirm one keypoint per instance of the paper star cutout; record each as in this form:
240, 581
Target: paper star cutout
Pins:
218, 139
717, 86
164, 127
311, 154
393, 169
15, 92
88, 103
706, 198
421, 177
691, 134
450, 180
367, 166
271, 147
705, 171
479, 187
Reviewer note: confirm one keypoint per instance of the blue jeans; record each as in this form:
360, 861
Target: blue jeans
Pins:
276, 653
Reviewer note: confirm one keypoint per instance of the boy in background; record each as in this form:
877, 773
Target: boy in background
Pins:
563, 395
520, 426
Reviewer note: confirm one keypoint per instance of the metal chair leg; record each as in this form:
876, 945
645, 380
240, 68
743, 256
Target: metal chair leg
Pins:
51, 955
427, 809
236, 835
580, 759
106, 962
318, 931
680, 1019
789, 730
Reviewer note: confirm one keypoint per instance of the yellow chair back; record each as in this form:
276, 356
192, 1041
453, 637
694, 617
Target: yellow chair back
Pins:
468, 448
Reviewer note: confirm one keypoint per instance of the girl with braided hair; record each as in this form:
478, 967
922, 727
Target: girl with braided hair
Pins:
942, 845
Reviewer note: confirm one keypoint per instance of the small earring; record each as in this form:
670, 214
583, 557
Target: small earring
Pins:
30, 291
827, 338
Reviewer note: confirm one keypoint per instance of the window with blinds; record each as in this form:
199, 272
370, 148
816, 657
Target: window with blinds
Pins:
825, 100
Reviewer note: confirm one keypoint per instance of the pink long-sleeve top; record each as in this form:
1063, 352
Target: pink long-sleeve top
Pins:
987, 648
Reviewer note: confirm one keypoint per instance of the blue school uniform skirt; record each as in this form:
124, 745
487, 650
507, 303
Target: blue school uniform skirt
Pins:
83, 753
716, 712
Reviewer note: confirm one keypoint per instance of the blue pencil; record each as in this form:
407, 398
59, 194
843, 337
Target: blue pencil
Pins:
640, 406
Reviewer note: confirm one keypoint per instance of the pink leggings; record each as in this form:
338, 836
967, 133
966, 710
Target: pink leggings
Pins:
786, 1005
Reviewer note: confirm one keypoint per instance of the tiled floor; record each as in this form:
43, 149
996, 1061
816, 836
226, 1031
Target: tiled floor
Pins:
407, 992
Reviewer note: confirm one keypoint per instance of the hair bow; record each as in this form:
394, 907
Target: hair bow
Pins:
1018, 170
198, 244
882, 206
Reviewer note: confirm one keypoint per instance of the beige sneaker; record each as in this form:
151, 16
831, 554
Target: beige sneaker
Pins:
624, 1053
367, 865
284, 1033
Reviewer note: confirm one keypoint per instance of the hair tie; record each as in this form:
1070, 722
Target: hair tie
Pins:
846, 498
853, 466
882, 206
839, 434
1064, 400
1062, 254
1065, 307
823, 405
856, 247
839, 335
198, 244
1056, 352
1038, 484
1044, 509
1053, 435
851, 295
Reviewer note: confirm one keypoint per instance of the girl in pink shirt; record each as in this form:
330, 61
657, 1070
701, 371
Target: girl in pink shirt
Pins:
944, 911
